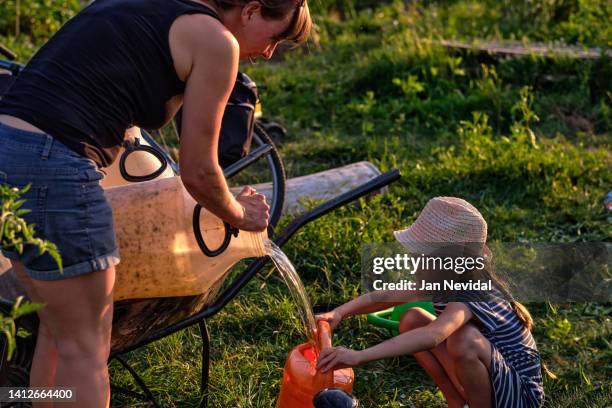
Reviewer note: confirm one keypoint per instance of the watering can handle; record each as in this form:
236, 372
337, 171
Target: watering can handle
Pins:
324, 340
324, 335
229, 231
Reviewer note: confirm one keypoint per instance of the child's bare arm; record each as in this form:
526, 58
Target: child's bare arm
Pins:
368, 303
427, 337
454, 316
377, 300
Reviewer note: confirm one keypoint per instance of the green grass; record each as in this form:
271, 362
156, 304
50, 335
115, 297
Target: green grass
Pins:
526, 140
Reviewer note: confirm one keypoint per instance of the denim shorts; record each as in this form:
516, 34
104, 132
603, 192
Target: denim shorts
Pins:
65, 201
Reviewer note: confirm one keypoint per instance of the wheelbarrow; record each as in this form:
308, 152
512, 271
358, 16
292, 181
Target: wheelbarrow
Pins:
137, 323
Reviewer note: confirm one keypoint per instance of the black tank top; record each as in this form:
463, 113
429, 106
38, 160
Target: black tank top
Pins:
106, 69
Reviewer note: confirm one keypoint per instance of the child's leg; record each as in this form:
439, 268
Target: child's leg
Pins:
430, 360
470, 352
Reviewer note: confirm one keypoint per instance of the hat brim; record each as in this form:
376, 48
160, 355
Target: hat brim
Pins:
415, 246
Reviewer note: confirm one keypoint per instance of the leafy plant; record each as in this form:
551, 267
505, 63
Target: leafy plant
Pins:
35, 18
15, 233
8, 326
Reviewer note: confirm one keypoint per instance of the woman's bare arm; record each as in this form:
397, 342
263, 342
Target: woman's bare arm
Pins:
213, 64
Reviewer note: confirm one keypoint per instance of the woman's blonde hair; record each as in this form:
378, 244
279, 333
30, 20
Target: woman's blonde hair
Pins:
301, 23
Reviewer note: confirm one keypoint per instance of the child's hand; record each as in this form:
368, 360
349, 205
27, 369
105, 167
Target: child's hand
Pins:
333, 318
335, 358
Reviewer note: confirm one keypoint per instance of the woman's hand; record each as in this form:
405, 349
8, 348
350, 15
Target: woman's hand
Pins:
333, 318
256, 210
335, 358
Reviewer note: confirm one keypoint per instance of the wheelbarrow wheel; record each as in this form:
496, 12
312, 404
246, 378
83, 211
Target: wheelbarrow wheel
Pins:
16, 371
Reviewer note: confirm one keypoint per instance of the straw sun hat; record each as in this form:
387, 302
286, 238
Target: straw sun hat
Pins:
444, 222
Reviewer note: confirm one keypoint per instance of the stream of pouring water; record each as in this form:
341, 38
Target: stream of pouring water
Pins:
296, 287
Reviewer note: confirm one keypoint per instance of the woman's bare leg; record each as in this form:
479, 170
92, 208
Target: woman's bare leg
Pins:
44, 364
42, 372
471, 354
77, 322
430, 360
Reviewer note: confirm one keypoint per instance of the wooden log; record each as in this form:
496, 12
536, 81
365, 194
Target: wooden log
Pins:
324, 185
520, 49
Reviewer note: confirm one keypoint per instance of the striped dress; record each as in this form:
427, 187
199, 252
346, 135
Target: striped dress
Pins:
515, 362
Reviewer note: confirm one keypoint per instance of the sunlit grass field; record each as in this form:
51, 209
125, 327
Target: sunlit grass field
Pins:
525, 139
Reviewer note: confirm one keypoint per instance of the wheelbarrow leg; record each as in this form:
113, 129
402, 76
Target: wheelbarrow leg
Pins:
205, 363
138, 380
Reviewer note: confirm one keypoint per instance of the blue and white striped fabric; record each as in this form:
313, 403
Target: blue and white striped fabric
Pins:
515, 362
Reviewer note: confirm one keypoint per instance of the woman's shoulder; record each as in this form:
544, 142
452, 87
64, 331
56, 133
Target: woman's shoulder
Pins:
201, 30
194, 36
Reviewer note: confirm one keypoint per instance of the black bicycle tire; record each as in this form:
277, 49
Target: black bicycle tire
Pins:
279, 177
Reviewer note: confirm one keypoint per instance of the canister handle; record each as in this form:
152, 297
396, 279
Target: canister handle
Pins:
229, 231
133, 146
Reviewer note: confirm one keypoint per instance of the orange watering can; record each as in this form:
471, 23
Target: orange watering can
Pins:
302, 381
